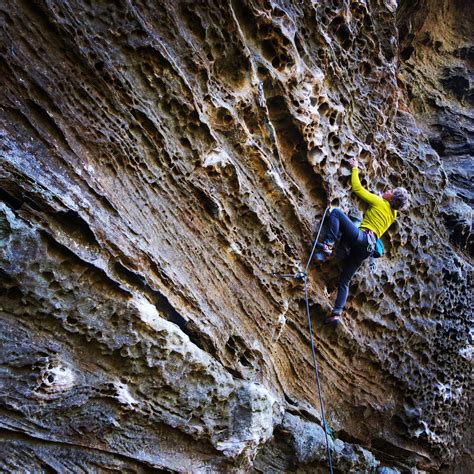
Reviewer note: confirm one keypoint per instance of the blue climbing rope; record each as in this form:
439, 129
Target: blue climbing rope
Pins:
316, 240
316, 372
313, 351
304, 276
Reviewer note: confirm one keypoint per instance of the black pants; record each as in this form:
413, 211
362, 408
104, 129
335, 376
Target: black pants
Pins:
357, 240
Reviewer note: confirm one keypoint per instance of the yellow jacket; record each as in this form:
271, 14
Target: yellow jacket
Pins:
380, 215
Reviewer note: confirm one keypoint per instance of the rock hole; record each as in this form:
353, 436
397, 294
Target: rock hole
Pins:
76, 228
276, 63
71, 320
209, 205
262, 72
366, 69
406, 53
193, 22
323, 108
237, 346
133, 279
278, 13
48, 276
10, 200
268, 50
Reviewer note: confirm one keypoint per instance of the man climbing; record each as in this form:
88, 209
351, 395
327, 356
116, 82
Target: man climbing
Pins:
377, 219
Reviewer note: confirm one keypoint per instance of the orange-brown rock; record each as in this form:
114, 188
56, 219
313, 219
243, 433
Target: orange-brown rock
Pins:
159, 161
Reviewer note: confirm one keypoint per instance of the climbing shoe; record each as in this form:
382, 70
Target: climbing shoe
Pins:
334, 319
326, 247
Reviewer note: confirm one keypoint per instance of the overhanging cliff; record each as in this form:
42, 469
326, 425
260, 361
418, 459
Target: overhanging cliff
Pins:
159, 161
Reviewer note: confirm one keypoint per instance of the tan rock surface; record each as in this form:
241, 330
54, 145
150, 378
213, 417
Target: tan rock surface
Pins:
159, 161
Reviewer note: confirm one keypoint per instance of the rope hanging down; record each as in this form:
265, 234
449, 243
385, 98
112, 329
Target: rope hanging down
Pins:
304, 276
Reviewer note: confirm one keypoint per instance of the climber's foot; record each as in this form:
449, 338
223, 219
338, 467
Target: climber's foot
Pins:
326, 247
333, 320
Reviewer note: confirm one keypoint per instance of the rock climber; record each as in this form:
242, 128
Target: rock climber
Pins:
381, 213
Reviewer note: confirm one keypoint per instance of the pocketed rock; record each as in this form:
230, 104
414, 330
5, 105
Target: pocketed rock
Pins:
159, 164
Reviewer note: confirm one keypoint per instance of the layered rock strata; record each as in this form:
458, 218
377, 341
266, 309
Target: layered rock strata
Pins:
158, 164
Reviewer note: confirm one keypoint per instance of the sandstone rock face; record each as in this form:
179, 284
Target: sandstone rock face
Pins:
437, 70
159, 161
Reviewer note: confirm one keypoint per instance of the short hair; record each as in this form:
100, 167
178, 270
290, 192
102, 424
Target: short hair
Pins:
400, 199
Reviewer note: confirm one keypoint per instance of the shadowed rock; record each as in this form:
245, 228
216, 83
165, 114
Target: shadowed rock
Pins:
158, 163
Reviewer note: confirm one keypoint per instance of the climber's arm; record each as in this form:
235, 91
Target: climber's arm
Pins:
358, 189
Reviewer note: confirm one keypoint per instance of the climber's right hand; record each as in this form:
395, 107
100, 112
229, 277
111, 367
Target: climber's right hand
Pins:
354, 162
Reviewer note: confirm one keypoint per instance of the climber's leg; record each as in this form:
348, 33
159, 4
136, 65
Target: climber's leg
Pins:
339, 222
351, 265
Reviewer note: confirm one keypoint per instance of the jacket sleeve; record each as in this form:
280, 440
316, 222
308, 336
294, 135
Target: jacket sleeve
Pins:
367, 196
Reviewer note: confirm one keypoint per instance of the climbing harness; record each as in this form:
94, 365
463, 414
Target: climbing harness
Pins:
375, 245
303, 275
